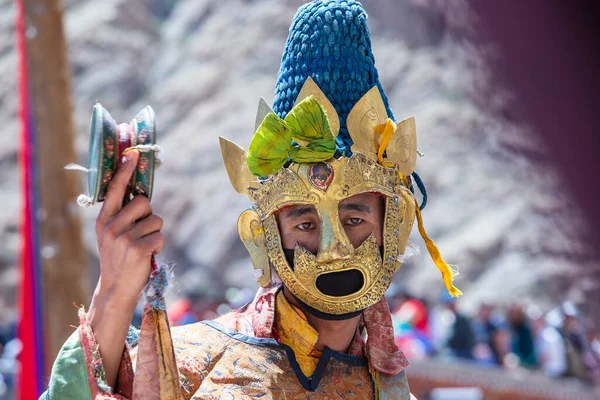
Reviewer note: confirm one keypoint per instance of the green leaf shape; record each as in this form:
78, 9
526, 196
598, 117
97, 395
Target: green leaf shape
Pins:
270, 146
317, 150
309, 126
308, 121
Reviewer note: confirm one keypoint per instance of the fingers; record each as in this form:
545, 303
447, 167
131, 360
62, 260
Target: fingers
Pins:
135, 210
151, 244
117, 186
147, 226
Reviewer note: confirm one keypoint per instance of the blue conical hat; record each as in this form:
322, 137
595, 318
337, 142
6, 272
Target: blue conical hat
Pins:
329, 41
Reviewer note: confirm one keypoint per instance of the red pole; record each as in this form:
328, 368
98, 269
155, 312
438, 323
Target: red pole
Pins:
30, 375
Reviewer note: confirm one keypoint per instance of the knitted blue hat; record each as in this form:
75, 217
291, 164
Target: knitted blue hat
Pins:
329, 41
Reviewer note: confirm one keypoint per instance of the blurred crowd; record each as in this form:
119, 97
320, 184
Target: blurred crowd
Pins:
206, 304
10, 347
560, 343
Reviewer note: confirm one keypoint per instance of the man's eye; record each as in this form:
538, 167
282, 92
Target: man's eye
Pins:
306, 226
354, 221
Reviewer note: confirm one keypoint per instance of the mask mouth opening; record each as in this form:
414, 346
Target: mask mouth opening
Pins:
339, 284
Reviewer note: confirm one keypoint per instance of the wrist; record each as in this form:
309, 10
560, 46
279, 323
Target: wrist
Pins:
108, 305
112, 296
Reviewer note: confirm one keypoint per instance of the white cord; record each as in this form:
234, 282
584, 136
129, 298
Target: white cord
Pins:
145, 148
84, 201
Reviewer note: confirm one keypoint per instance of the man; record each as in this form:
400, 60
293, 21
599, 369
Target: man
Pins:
521, 336
490, 336
462, 339
329, 173
549, 346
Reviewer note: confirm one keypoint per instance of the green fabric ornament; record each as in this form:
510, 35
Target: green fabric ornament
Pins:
271, 145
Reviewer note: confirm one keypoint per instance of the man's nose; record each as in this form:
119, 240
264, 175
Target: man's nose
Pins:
334, 244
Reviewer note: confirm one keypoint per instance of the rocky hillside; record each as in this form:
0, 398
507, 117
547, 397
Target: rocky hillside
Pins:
495, 207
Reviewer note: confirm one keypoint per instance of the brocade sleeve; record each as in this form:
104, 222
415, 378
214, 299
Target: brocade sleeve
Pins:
78, 372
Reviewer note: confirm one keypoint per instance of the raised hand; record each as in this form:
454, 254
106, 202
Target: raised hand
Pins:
127, 238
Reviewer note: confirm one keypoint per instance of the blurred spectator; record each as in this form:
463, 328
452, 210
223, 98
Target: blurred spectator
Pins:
9, 365
593, 339
490, 336
462, 338
194, 306
574, 343
413, 312
549, 345
180, 312
441, 320
521, 337
395, 296
8, 332
582, 362
594, 350
410, 318
10, 347
557, 343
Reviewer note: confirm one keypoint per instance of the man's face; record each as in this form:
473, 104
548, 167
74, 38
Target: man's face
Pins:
360, 216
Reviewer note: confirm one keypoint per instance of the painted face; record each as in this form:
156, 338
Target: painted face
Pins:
108, 174
139, 188
109, 146
320, 175
142, 164
143, 137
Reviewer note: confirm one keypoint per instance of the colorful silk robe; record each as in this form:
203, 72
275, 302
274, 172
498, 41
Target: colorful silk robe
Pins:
236, 357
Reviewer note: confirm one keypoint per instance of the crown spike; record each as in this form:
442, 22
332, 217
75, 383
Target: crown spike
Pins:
236, 165
263, 110
402, 149
310, 88
365, 123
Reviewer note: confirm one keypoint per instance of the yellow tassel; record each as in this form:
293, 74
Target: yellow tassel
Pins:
386, 136
388, 131
447, 272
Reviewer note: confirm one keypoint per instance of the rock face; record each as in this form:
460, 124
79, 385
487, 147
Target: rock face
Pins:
494, 208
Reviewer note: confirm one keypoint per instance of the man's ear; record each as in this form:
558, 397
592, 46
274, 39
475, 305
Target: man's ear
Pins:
252, 234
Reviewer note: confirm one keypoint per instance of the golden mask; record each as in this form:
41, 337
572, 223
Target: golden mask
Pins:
383, 154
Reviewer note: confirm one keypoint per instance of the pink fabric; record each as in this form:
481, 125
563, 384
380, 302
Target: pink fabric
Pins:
125, 377
156, 374
254, 319
263, 314
93, 362
146, 383
383, 354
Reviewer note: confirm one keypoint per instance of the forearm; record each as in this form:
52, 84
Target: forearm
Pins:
110, 317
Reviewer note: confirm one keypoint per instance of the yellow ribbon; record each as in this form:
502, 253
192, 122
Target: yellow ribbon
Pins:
386, 136
448, 273
375, 377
